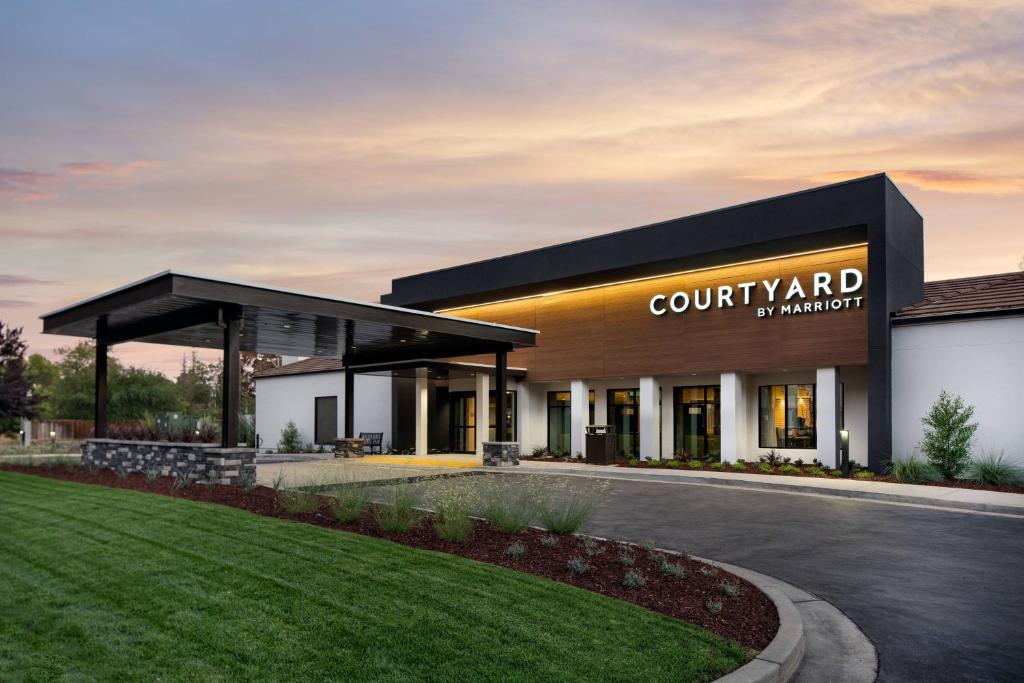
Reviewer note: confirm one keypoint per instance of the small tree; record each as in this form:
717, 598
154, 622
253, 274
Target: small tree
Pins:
16, 397
948, 435
290, 441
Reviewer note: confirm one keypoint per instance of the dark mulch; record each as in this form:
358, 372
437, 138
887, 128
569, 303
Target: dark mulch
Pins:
754, 468
748, 618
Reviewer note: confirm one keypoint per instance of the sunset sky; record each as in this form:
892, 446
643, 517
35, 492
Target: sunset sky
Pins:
333, 148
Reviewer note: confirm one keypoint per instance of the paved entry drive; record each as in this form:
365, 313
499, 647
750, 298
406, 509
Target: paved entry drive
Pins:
937, 592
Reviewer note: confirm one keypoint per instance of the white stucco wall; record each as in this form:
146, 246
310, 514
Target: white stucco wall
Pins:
981, 360
292, 398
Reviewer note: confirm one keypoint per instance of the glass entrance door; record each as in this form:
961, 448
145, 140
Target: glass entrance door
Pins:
624, 415
697, 422
463, 421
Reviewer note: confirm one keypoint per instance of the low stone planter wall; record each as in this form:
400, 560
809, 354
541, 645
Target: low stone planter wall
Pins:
501, 453
171, 459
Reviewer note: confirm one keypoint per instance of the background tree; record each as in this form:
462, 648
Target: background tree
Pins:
44, 374
948, 435
198, 386
251, 364
16, 397
132, 393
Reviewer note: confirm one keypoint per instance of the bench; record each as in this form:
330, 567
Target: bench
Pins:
372, 441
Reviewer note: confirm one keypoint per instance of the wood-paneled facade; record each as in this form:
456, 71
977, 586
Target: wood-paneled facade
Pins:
609, 331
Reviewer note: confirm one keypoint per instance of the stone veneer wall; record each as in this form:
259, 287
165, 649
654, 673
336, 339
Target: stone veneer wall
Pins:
172, 459
501, 453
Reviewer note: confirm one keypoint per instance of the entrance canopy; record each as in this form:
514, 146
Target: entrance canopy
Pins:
183, 309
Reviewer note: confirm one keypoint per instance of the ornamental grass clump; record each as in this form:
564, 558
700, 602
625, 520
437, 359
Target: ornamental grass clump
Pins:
911, 469
453, 505
152, 474
298, 501
565, 507
994, 469
673, 569
548, 540
709, 571
626, 560
515, 551
510, 505
349, 501
399, 513
634, 580
713, 606
247, 480
949, 435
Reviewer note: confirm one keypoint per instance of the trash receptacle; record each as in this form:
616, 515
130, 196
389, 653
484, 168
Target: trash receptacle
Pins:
601, 444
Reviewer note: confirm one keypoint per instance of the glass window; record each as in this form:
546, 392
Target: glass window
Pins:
510, 416
325, 420
786, 416
559, 421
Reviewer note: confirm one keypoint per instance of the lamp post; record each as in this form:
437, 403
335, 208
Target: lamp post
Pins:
844, 451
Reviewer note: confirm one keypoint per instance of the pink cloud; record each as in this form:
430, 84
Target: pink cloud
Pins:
25, 186
938, 180
108, 169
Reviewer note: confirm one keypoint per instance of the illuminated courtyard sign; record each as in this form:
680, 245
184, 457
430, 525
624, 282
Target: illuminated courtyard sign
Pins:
796, 298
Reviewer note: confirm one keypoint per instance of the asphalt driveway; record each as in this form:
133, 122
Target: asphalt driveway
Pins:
937, 592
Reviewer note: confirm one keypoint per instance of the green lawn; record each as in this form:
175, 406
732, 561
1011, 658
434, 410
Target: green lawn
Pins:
101, 584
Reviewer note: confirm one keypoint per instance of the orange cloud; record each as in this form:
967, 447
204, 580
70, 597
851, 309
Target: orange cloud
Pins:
24, 186
108, 169
937, 180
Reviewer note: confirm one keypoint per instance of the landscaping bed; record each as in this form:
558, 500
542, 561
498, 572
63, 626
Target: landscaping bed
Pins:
804, 470
673, 585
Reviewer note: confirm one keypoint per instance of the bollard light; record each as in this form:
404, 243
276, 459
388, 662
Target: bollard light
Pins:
844, 451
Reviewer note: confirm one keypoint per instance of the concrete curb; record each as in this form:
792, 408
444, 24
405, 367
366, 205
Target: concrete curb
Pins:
835, 649
780, 660
774, 487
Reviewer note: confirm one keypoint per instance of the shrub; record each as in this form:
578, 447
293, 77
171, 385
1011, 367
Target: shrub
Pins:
634, 580
696, 464
730, 589
577, 565
709, 571
211, 480
510, 506
948, 435
121, 472
515, 551
912, 468
815, 470
453, 506
398, 514
298, 501
350, 501
772, 458
278, 480
765, 467
632, 462
863, 474
994, 469
713, 606
673, 569
648, 546
152, 474
592, 547
789, 469
538, 452
626, 560
549, 540
740, 466
718, 465
673, 464
290, 442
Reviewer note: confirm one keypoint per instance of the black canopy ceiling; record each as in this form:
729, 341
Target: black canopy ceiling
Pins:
183, 309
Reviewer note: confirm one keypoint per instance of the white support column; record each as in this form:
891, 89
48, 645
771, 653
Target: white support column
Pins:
826, 415
579, 409
422, 414
600, 405
483, 410
650, 425
524, 427
734, 417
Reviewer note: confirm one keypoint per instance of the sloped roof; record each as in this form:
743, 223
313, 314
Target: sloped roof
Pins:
968, 296
303, 367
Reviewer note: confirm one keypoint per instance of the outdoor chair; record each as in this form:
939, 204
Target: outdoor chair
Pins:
371, 441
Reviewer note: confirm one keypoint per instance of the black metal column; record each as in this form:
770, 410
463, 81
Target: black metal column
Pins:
500, 399
231, 390
100, 397
350, 402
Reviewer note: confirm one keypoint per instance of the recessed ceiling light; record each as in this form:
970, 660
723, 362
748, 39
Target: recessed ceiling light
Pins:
287, 327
